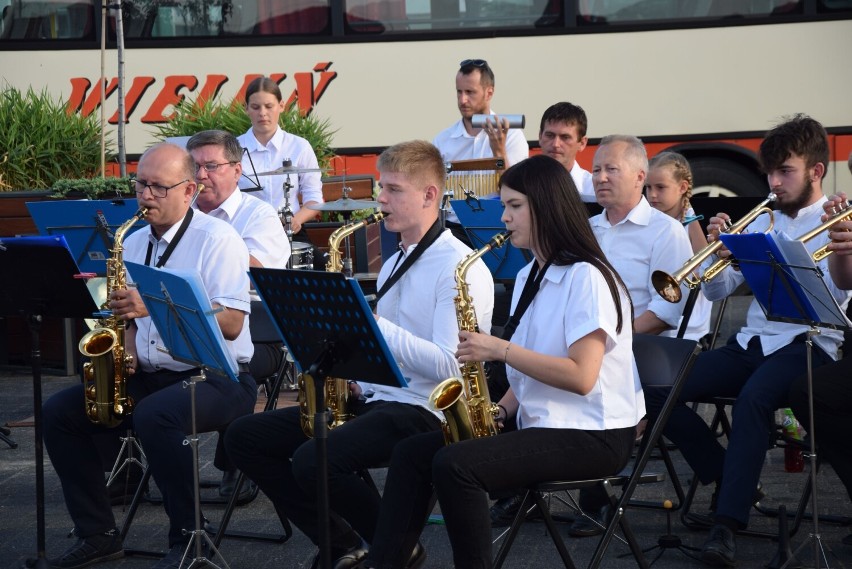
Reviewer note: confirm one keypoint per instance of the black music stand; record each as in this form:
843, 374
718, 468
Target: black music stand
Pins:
181, 311
51, 290
790, 288
328, 327
480, 218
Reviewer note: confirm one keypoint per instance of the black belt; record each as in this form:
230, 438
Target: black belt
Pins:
243, 368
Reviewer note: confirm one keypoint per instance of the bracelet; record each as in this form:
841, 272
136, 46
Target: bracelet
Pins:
505, 413
506, 353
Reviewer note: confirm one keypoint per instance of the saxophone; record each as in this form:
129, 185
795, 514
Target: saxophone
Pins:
336, 389
105, 375
465, 402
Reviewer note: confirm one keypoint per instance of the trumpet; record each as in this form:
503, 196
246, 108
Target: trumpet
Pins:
823, 252
668, 286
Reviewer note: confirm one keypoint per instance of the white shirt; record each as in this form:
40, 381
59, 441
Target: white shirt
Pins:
643, 242
418, 316
574, 301
282, 146
259, 226
776, 335
583, 180
215, 250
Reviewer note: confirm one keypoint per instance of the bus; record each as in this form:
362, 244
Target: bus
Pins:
704, 77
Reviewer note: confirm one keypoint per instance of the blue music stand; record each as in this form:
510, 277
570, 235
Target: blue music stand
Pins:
88, 226
328, 327
790, 288
178, 304
53, 290
481, 221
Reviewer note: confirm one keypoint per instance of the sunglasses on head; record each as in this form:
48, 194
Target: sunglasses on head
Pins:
474, 62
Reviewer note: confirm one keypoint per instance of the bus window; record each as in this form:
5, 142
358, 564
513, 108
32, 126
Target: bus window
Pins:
47, 20
623, 11
372, 16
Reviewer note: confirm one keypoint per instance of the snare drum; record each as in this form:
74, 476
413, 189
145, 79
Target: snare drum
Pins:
302, 256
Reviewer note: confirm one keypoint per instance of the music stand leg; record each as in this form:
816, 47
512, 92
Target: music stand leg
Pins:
198, 535
323, 506
41, 557
128, 444
820, 558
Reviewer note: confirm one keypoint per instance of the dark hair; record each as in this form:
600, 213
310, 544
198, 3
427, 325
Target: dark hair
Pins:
486, 75
566, 113
800, 135
265, 85
560, 221
227, 141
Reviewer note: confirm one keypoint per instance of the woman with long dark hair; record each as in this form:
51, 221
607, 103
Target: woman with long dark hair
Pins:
574, 389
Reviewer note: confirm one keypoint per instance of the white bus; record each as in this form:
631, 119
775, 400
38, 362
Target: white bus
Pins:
706, 77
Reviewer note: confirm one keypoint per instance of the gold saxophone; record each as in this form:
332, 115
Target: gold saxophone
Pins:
465, 402
105, 375
336, 389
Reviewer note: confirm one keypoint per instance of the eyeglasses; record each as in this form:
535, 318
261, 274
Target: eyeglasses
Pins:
211, 166
480, 63
157, 190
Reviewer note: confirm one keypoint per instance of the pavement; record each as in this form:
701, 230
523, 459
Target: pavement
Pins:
533, 548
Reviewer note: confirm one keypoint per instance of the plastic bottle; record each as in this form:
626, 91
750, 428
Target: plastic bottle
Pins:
793, 459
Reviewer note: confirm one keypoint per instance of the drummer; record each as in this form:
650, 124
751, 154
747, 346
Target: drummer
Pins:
267, 148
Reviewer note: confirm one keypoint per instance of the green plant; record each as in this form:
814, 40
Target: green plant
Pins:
191, 117
93, 188
42, 142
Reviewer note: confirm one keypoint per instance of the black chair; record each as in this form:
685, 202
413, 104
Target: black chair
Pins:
662, 362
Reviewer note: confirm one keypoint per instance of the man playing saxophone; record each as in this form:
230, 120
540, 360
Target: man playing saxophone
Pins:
416, 315
178, 237
758, 364
575, 390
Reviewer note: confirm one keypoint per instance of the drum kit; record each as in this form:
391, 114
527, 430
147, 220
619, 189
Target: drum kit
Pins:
302, 255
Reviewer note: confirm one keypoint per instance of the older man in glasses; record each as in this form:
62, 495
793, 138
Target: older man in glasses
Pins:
178, 237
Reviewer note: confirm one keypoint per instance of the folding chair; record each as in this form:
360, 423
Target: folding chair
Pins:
662, 362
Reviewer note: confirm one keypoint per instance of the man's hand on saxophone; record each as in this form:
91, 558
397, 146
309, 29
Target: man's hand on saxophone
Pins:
127, 304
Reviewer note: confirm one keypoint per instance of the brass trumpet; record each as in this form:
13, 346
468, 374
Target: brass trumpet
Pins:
668, 286
823, 252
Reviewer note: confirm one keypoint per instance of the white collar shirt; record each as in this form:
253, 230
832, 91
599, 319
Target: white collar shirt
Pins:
259, 226
583, 180
215, 250
572, 302
418, 316
775, 335
699, 320
643, 242
264, 158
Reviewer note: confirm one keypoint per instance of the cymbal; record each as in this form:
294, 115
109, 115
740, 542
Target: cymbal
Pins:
290, 170
344, 204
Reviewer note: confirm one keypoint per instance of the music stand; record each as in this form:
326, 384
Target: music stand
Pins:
480, 219
88, 226
328, 327
790, 288
50, 290
178, 305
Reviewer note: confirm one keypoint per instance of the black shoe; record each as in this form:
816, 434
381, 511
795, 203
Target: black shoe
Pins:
352, 559
418, 557
123, 488
176, 554
503, 511
720, 550
847, 540
90, 550
229, 482
591, 523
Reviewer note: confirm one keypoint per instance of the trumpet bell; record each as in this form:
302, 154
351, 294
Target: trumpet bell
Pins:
666, 286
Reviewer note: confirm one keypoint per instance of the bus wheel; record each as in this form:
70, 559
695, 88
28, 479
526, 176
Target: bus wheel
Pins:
718, 177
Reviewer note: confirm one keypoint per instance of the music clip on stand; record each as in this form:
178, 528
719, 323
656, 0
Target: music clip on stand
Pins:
327, 325
51, 291
179, 307
790, 288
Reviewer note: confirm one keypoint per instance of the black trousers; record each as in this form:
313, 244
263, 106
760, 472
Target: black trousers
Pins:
465, 472
832, 385
263, 445
161, 420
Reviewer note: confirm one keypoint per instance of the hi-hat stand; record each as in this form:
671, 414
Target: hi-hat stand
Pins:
50, 292
790, 288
